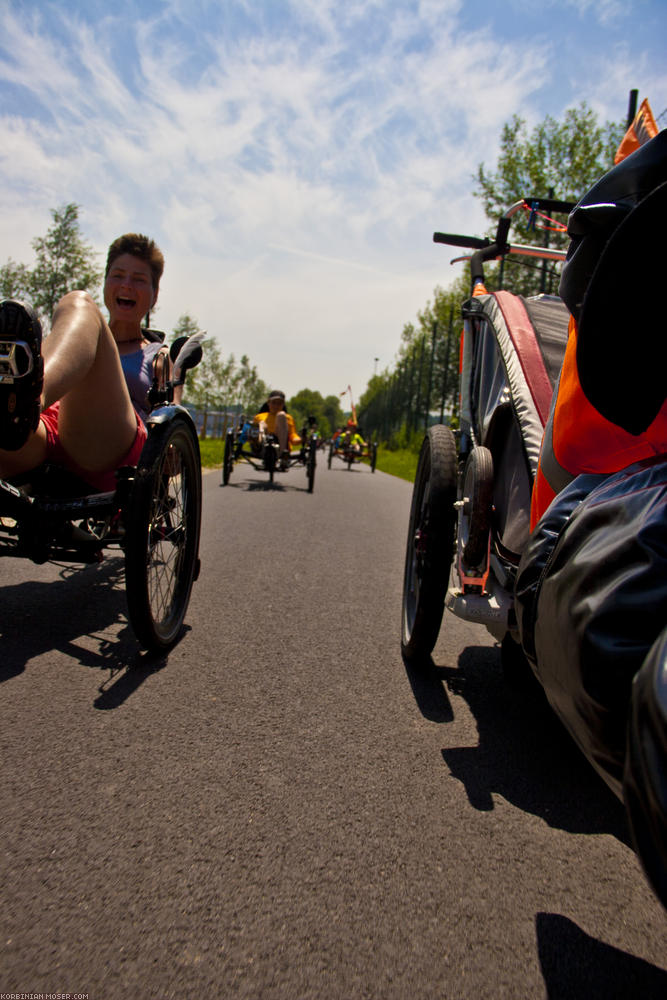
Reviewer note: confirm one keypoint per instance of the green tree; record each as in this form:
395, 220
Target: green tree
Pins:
333, 413
215, 384
310, 403
186, 326
64, 262
557, 159
14, 281
251, 391
206, 384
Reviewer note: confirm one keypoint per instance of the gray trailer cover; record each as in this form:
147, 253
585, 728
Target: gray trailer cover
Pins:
511, 356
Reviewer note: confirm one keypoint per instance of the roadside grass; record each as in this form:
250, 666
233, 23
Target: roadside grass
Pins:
211, 450
401, 463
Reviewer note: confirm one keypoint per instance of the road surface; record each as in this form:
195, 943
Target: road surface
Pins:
281, 809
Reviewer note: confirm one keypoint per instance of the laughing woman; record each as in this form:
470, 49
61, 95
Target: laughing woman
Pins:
79, 399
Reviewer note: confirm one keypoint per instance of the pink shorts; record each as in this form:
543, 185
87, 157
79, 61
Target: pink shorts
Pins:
105, 482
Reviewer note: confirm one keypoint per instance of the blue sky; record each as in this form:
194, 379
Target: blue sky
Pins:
292, 159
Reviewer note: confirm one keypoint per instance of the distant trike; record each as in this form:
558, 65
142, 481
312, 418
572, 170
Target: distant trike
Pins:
246, 441
344, 449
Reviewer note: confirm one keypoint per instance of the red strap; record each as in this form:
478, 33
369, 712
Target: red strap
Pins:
528, 351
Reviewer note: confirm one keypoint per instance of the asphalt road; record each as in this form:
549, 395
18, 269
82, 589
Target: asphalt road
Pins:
280, 808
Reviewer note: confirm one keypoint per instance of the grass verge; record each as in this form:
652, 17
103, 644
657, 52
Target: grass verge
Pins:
211, 450
401, 463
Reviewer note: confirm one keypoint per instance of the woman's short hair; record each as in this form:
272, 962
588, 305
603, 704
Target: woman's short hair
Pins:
274, 394
139, 246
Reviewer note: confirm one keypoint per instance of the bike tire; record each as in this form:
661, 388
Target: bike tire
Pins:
162, 533
430, 544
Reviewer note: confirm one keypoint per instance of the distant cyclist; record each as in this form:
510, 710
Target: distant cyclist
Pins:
351, 439
274, 419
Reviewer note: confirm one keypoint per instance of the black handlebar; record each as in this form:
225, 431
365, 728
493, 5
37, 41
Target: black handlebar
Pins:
490, 249
500, 239
550, 205
477, 266
471, 242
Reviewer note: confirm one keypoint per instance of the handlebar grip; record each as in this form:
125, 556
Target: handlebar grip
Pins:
469, 242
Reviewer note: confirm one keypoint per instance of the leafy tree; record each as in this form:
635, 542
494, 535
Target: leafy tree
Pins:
310, 403
205, 387
251, 390
14, 281
64, 262
558, 159
333, 413
216, 384
186, 326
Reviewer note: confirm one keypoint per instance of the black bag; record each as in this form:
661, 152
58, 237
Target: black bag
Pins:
591, 599
645, 779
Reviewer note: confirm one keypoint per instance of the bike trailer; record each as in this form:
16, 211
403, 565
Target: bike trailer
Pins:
511, 354
473, 494
586, 591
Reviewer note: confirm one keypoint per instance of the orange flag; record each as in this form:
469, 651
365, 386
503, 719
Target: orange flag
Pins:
642, 129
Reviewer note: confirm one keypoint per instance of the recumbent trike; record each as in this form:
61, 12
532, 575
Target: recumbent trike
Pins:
350, 455
262, 451
153, 515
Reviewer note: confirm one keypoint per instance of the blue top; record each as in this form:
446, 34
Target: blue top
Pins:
138, 371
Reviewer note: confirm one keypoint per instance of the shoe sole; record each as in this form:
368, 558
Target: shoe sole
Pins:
21, 373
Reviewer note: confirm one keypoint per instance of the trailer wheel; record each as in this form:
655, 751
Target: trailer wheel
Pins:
475, 517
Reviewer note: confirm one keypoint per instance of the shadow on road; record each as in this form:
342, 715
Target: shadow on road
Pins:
123, 681
575, 965
429, 691
265, 486
523, 751
356, 467
70, 615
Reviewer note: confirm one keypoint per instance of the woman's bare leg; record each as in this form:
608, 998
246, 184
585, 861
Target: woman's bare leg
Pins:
282, 432
97, 423
32, 454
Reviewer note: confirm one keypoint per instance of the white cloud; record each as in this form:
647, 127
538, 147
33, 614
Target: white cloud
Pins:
292, 172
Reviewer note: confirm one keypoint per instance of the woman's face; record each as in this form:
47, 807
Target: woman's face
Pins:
276, 405
128, 290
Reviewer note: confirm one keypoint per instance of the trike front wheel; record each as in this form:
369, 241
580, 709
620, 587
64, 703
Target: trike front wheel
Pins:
162, 533
311, 462
228, 458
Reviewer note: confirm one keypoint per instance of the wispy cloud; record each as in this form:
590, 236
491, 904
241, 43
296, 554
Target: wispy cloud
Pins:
344, 132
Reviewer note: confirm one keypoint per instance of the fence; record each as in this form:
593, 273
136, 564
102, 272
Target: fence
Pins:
213, 423
423, 388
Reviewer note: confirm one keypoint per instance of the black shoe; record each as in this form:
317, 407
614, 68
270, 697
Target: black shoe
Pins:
21, 373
